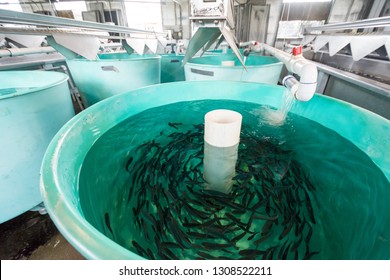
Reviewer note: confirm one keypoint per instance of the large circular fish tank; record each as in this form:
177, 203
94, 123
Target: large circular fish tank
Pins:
124, 178
113, 73
260, 69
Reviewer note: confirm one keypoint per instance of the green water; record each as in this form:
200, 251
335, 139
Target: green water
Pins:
300, 190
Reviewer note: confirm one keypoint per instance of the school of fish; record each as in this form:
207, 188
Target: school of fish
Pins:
267, 215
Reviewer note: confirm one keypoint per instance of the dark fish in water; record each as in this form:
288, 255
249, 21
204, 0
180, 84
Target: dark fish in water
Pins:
262, 239
150, 254
251, 252
239, 211
215, 246
267, 227
198, 235
139, 249
266, 218
152, 220
269, 253
168, 254
240, 224
238, 237
296, 244
287, 228
217, 232
252, 236
173, 245
282, 250
195, 212
179, 236
174, 125
107, 220
129, 163
205, 255
309, 234
235, 220
285, 253
242, 177
309, 254
309, 208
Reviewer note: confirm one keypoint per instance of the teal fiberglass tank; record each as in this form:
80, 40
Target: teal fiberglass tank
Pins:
260, 69
33, 107
172, 69
113, 73
123, 179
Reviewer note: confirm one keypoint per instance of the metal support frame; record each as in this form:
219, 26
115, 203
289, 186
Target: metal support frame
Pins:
13, 17
212, 19
365, 23
379, 88
72, 37
361, 43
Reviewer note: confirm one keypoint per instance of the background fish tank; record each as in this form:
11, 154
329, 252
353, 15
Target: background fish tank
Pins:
260, 69
113, 73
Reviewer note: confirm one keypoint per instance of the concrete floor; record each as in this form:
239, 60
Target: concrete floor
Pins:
56, 248
32, 236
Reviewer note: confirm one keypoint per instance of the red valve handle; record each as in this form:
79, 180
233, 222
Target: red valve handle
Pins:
297, 50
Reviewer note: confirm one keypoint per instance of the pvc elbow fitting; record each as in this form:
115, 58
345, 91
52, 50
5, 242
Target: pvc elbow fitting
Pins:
307, 79
301, 91
305, 91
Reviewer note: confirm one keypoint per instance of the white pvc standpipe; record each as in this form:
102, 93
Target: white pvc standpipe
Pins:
221, 139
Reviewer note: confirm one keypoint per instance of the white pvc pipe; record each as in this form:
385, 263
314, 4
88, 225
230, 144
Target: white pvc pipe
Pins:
222, 136
24, 51
222, 128
306, 70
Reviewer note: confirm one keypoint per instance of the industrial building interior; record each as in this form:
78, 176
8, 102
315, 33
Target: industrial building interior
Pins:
348, 41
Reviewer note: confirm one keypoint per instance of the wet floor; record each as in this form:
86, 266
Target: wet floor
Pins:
32, 236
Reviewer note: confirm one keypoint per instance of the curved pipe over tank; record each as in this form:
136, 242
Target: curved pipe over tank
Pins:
295, 63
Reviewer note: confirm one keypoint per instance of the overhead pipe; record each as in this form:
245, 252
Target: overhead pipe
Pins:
303, 89
23, 51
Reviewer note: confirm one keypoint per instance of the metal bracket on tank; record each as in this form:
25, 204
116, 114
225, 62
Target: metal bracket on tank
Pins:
40, 208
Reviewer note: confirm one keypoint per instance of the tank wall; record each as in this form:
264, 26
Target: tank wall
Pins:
30, 121
172, 69
251, 60
97, 80
260, 69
